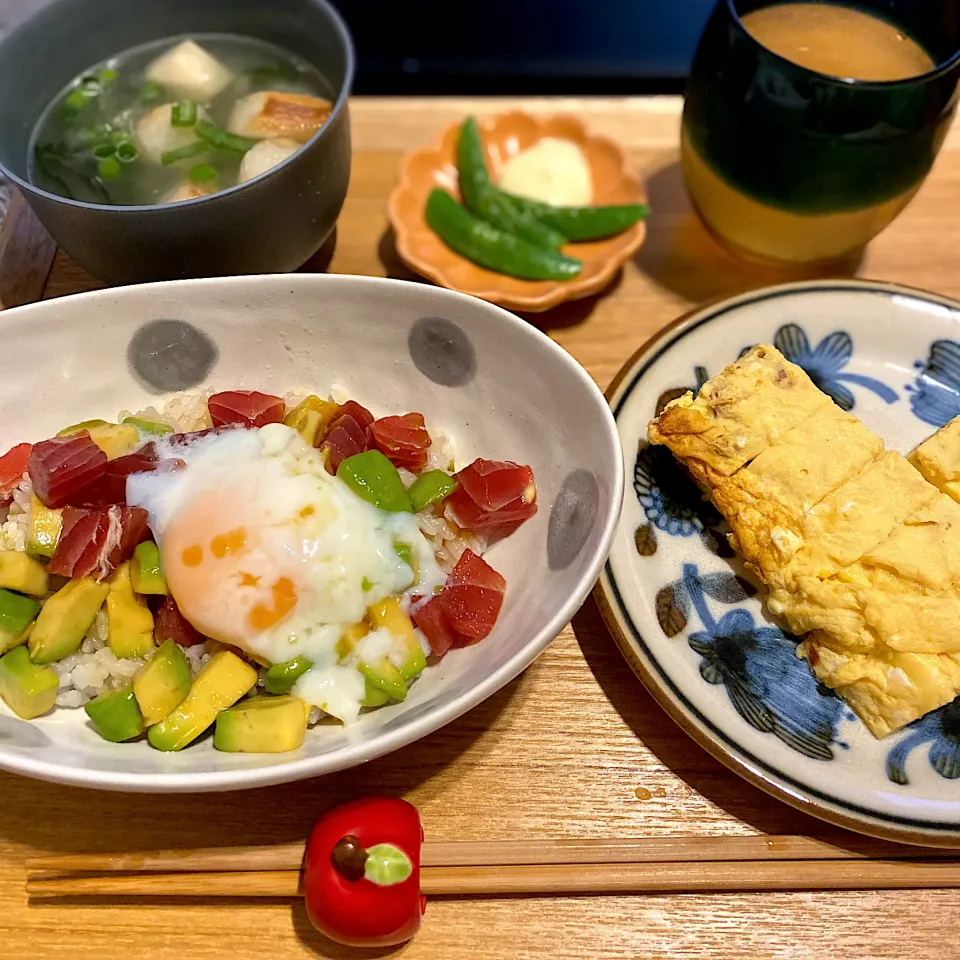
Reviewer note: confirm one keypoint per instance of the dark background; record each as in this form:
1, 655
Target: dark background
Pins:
523, 46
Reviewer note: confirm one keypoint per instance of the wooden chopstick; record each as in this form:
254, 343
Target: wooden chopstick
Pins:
590, 878
463, 853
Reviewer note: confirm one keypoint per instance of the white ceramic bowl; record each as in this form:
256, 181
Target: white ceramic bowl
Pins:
494, 385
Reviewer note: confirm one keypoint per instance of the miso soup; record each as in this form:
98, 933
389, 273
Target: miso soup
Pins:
177, 119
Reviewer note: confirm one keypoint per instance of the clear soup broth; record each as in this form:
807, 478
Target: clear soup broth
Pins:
176, 120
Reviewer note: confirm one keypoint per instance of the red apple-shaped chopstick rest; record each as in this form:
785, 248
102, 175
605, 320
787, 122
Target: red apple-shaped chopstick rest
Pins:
362, 873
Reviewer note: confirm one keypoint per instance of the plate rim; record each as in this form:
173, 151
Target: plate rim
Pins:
675, 704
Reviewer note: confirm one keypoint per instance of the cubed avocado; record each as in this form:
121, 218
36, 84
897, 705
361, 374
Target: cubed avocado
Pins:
386, 677
373, 696
115, 715
83, 425
16, 614
389, 614
27, 689
162, 683
150, 427
262, 725
129, 620
65, 618
145, 570
281, 677
415, 663
114, 439
350, 638
311, 416
43, 530
22, 573
220, 684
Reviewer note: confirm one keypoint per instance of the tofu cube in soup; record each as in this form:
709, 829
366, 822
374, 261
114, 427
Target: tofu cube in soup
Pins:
266, 154
156, 134
270, 113
188, 71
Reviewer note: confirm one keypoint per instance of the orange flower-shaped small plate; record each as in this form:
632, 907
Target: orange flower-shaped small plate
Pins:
505, 135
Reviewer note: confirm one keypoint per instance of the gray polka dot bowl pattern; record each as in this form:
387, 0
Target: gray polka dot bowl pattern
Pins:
272, 223
493, 384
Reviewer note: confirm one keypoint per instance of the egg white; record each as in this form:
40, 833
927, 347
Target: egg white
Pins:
340, 557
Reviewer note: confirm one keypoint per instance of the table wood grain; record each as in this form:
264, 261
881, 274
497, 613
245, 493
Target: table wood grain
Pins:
572, 748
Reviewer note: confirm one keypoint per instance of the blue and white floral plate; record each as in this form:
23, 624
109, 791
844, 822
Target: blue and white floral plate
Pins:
692, 627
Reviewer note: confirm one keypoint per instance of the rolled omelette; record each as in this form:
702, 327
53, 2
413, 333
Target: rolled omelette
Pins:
860, 552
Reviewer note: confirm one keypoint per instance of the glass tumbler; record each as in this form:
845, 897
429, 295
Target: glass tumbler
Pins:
789, 166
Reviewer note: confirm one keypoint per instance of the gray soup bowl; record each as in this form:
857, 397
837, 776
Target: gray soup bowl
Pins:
268, 225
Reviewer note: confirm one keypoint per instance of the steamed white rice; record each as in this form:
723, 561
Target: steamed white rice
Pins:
14, 520
94, 669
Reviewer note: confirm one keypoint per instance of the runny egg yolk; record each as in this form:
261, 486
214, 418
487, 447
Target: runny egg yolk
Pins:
232, 582
231, 542
262, 617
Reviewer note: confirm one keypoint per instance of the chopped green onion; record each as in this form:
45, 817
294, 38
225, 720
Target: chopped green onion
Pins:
202, 173
77, 99
223, 139
103, 150
127, 151
55, 160
271, 71
151, 92
108, 73
184, 153
90, 86
118, 136
109, 168
66, 115
184, 114
92, 135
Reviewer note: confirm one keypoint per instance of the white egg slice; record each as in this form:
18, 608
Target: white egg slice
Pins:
264, 550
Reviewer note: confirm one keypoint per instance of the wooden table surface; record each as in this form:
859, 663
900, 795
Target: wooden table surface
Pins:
572, 748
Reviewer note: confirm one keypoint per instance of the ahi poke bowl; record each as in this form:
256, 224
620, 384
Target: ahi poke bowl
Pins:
347, 527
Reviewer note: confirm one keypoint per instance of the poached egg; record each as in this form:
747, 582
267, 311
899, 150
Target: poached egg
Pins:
264, 550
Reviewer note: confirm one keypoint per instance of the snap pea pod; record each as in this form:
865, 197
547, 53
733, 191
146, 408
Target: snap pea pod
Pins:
494, 249
223, 139
281, 677
373, 478
582, 223
488, 201
430, 487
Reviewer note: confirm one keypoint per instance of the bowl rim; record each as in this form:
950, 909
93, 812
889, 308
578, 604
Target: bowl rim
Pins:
339, 107
442, 713
559, 291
